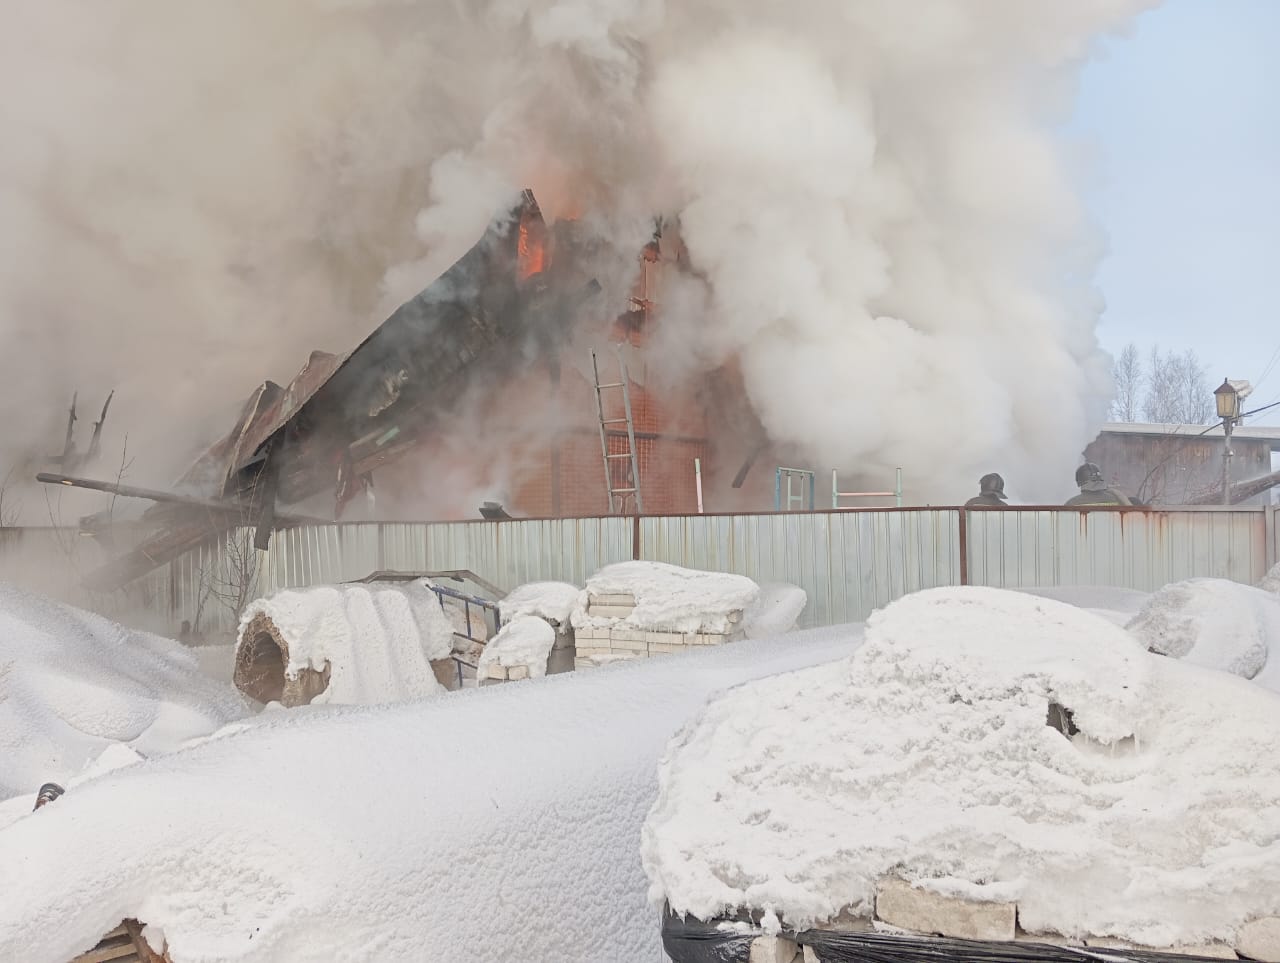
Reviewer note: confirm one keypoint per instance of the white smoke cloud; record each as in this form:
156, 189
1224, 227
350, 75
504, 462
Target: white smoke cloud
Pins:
192, 198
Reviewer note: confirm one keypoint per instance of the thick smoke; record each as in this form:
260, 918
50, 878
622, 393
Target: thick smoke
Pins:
873, 196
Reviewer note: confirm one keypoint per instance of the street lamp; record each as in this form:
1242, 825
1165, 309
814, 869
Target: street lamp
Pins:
1228, 396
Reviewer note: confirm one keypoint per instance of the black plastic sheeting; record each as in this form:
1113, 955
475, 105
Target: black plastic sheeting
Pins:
884, 948
689, 940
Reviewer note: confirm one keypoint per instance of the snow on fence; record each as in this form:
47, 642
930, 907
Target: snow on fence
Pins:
849, 562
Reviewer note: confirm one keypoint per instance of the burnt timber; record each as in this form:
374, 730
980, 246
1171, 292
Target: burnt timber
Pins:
502, 305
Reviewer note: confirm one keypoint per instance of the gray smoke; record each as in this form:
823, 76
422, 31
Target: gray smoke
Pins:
874, 196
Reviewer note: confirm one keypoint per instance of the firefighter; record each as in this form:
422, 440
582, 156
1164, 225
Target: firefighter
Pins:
990, 493
1094, 489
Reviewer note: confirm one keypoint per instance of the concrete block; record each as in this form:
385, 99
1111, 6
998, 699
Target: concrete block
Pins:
1214, 951
656, 637
623, 634
847, 921
666, 648
628, 645
709, 638
496, 671
583, 663
773, 949
617, 598
610, 611
517, 672
900, 904
1260, 940
613, 657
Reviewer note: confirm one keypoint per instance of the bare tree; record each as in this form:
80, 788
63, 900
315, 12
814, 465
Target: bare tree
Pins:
1129, 380
232, 578
1177, 393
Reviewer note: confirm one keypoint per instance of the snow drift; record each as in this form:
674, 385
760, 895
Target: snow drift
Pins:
927, 756
1271, 581
1217, 624
492, 824
73, 684
348, 644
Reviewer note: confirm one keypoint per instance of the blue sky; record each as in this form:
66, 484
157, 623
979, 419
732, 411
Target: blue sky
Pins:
1184, 116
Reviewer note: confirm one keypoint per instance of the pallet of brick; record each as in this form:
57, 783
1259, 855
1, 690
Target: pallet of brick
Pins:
644, 609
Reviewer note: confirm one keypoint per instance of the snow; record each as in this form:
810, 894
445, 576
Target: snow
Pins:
1271, 581
73, 684
1118, 605
526, 640
926, 755
775, 611
670, 598
494, 824
553, 601
378, 639
1216, 624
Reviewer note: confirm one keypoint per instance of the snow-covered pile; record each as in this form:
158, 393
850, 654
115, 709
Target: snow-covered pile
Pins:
526, 640
927, 756
73, 684
670, 598
377, 639
1216, 624
553, 601
1271, 581
499, 824
775, 611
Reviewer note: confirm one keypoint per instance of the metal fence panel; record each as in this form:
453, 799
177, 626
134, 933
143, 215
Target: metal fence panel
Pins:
1139, 550
1273, 536
505, 553
849, 563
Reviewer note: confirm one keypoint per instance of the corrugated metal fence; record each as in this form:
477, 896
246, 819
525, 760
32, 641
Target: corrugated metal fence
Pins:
849, 562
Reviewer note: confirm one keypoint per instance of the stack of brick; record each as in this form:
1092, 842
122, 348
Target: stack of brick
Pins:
901, 907
616, 640
505, 673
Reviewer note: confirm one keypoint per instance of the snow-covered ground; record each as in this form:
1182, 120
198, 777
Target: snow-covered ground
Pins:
514, 813
73, 684
492, 824
926, 755
1118, 605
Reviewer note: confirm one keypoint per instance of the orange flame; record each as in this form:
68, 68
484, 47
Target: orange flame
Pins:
531, 249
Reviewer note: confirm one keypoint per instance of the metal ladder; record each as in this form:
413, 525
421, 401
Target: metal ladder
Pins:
617, 496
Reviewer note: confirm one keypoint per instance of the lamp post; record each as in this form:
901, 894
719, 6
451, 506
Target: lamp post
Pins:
1228, 396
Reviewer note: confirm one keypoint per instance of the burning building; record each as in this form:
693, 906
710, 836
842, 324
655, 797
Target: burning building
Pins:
512, 371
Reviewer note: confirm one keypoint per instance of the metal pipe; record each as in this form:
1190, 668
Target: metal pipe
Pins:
697, 481
1227, 424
